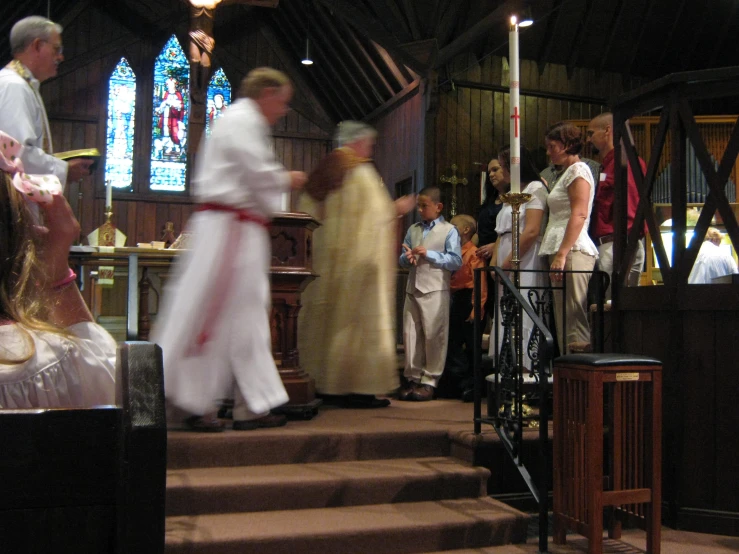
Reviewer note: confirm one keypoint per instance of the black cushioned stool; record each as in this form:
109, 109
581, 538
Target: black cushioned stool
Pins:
607, 445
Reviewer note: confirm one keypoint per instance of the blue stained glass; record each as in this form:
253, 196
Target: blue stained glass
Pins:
120, 126
218, 98
170, 118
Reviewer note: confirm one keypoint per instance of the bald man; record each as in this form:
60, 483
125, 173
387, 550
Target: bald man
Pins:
600, 136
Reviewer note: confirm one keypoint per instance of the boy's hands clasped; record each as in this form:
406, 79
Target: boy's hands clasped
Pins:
414, 254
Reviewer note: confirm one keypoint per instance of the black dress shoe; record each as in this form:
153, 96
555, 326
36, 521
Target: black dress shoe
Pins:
270, 420
423, 393
468, 395
204, 424
406, 390
364, 401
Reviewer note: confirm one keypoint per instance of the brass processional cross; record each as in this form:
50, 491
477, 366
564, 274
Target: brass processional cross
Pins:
454, 181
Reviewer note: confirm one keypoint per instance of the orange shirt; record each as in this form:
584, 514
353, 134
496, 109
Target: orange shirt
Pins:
463, 278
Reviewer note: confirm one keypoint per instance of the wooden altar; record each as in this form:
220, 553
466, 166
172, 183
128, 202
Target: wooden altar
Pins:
291, 271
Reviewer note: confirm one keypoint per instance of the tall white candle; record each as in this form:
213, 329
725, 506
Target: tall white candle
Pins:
483, 178
515, 104
108, 194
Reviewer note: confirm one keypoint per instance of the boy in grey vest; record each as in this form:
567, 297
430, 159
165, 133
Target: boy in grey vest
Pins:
432, 251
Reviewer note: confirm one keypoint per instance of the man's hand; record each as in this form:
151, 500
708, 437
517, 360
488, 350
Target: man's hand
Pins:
78, 168
405, 204
297, 179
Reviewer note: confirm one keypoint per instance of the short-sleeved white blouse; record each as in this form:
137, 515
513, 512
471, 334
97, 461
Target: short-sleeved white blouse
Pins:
538, 192
64, 372
560, 212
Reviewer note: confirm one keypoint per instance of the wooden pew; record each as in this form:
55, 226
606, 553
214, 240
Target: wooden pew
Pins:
89, 480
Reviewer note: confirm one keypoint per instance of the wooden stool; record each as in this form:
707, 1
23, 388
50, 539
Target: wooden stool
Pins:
616, 462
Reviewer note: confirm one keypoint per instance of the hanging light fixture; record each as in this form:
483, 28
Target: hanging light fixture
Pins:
307, 59
526, 18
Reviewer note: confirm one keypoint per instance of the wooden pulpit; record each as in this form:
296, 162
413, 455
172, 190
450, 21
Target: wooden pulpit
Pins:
291, 271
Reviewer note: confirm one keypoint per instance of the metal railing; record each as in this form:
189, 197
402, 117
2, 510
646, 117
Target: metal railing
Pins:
508, 412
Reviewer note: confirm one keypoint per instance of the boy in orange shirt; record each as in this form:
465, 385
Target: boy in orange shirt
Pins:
458, 378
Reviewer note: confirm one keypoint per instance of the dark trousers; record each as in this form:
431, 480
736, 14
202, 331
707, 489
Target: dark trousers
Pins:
459, 368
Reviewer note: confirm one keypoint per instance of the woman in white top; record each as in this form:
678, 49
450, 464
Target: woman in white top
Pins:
566, 241
52, 354
532, 222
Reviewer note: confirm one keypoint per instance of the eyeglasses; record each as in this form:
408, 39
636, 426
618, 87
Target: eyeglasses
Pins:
58, 48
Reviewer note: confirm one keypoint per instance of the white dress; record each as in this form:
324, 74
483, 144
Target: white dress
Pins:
711, 262
531, 260
64, 372
227, 269
560, 211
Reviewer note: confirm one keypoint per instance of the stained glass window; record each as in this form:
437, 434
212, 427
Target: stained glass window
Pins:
170, 118
120, 126
218, 98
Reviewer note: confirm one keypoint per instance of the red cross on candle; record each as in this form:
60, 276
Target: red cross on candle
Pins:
515, 117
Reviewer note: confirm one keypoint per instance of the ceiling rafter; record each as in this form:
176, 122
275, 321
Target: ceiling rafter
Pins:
368, 58
671, 34
613, 26
449, 17
546, 44
341, 44
391, 65
696, 36
374, 30
581, 36
646, 13
337, 101
723, 34
312, 108
476, 32
314, 29
412, 17
388, 12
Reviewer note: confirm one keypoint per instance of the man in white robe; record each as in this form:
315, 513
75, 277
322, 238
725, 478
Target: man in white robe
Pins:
712, 260
214, 326
36, 44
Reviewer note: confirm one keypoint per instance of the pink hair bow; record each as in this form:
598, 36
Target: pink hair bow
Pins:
37, 188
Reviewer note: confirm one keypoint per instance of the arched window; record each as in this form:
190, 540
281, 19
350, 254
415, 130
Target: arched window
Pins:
170, 118
218, 98
120, 126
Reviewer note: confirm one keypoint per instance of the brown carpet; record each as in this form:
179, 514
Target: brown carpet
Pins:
347, 481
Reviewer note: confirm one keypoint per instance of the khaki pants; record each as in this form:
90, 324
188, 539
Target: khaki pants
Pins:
605, 263
578, 326
425, 335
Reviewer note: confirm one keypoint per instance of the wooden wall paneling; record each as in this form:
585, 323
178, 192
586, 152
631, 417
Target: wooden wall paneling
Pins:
497, 123
698, 382
487, 113
130, 227
726, 469
442, 138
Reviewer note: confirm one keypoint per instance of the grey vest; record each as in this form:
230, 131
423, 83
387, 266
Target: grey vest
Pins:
424, 277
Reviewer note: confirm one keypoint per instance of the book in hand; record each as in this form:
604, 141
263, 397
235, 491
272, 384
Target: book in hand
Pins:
88, 153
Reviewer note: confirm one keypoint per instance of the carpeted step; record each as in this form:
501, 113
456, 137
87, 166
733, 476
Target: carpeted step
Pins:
293, 444
321, 485
388, 529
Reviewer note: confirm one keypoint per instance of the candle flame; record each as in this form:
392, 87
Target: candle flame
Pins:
514, 20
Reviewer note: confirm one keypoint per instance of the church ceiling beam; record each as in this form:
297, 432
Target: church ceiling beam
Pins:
399, 76
667, 42
646, 16
373, 29
439, 10
327, 64
371, 63
345, 52
144, 25
412, 17
322, 82
613, 26
723, 34
690, 46
497, 18
389, 12
448, 21
72, 14
581, 36
542, 56
310, 106
387, 106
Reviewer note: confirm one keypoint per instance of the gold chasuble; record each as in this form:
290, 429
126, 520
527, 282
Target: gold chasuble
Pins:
346, 336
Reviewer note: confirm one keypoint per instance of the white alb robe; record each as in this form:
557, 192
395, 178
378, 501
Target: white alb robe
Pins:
227, 266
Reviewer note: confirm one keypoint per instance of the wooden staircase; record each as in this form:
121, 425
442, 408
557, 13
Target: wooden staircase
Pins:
348, 481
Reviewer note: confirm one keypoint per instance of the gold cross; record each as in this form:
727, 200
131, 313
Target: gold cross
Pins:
454, 181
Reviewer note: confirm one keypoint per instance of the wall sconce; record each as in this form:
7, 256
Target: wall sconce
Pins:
307, 59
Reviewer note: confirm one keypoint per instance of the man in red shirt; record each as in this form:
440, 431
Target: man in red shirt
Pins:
600, 136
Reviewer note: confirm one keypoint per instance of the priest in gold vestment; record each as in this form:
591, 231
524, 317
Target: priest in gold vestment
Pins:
346, 335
